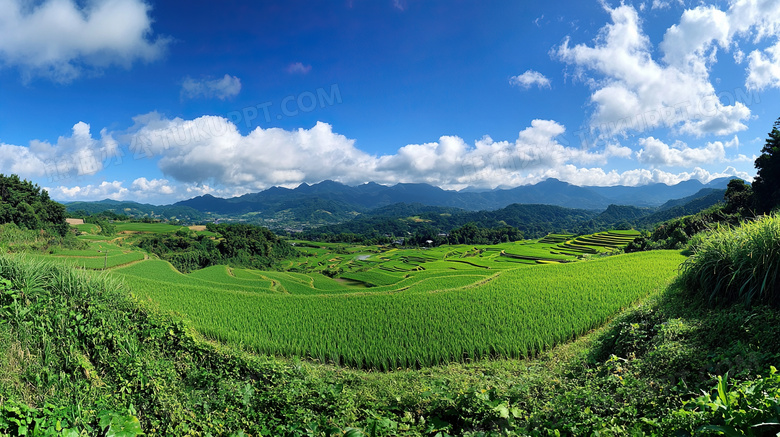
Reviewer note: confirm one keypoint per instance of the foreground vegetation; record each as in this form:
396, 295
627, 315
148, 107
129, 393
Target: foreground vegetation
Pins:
77, 355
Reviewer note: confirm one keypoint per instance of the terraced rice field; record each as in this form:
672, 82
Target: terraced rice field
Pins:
427, 317
394, 307
159, 228
99, 255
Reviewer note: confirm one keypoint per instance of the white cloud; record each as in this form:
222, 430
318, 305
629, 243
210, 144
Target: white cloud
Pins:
105, 190
210, 151
657, 153
143, 187
635, 92
228, 86
209, 155
599, 177
663, 4
77, 155
60, 39
689, 44
21, 161
530, 78
764, 68
298, 68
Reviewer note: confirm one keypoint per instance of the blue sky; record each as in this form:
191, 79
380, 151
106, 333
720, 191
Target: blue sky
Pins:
158, 101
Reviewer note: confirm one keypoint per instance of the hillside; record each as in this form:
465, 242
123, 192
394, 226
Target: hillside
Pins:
534, 221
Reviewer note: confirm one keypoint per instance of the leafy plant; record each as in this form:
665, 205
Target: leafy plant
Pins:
749, 408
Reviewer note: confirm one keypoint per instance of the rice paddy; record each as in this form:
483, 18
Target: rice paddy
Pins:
390, 307
426, 318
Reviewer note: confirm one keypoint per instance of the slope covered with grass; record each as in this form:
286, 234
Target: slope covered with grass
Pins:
737, 264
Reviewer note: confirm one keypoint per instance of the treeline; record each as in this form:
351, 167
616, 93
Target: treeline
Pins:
240, 245
469, 233
29, 207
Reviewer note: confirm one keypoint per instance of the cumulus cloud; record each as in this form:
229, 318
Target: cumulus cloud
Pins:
298, 68
598, 177
155, 191
633, 91
764, 68
211, 148
61, 38
144, 187
211, 151
209, 155
228, 86
657, 153
76, 155
21, 161
530, 78
105, 190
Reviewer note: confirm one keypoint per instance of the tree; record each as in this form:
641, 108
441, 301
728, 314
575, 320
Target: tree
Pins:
739, 197
25, 204
766, 185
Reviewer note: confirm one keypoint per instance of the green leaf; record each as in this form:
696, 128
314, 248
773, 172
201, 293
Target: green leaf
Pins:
723, 389
729, 431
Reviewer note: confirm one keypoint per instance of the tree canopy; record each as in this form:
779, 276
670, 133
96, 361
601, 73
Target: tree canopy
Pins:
766, 185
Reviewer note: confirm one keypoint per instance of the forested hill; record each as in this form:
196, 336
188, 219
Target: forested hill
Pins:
404, 219
135, 209
237, 245
26, 205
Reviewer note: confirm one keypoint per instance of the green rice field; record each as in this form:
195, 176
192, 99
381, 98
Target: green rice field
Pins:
426, 318
389, 307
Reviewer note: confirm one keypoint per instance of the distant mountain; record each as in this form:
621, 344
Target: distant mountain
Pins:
534, 220
330, 202
363, 198
713, 195
403, 219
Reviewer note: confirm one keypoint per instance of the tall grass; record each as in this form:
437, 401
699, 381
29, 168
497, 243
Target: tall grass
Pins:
737, 265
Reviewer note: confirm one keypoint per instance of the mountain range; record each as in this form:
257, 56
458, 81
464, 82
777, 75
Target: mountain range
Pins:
330, 202
372, 195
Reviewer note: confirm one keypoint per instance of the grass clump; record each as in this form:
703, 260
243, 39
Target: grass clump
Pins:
736, 265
